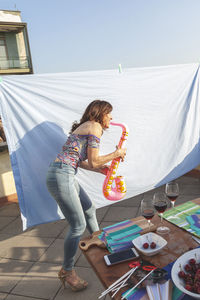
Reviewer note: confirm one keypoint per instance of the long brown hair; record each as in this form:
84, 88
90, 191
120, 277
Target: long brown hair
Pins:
94, 112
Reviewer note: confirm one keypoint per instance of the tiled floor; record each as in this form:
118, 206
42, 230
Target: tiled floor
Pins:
29, 261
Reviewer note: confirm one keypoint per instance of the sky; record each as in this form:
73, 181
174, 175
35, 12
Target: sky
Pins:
80, 35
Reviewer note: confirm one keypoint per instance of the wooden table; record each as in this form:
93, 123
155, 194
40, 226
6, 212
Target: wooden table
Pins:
179, 241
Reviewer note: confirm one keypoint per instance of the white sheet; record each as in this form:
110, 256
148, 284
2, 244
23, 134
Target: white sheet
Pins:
160, 105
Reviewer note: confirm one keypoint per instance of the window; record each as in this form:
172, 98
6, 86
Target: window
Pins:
3, 54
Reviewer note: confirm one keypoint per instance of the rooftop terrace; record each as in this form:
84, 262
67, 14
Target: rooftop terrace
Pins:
30, 260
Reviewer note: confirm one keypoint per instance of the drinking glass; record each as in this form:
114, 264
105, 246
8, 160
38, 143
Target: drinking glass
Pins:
147, 209
172, 192
160, 204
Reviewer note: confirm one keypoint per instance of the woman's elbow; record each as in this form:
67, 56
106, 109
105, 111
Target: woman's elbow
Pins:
92, 164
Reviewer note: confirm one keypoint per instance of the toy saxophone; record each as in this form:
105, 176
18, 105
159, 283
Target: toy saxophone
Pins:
114, 187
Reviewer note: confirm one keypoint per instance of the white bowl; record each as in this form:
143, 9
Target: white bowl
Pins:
149, 238
183, 260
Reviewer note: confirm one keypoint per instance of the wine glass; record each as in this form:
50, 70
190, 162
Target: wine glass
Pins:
147, 209
172, 191
160, 204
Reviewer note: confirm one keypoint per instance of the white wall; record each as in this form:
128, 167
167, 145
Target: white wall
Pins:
10, 16
7, 184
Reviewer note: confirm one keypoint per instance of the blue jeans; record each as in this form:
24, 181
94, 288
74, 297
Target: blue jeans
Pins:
75, 205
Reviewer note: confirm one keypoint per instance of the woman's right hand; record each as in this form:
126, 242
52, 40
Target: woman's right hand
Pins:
120, 152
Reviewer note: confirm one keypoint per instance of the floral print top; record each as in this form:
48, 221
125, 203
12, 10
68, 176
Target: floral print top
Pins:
75, 148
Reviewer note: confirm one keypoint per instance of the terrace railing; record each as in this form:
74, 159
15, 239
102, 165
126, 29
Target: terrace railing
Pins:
21, 62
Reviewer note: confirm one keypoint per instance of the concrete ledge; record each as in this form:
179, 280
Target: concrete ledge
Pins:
16, 71
193, 173
9, 198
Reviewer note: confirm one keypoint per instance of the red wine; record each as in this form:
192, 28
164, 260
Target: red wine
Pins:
148, 214
172, 197
160, 206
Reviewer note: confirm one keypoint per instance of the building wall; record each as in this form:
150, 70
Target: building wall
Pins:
25, 42
22, 50
7, 184
10, 16
18, 59
17, 45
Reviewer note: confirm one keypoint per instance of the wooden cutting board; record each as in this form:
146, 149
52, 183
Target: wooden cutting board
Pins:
88, 242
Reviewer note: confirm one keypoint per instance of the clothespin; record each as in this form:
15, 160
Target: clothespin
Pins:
120, 68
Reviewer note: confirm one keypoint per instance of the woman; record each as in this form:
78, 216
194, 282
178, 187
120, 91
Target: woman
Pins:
82, 143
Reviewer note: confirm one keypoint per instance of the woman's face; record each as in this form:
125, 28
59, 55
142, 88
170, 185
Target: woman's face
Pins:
106, 120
